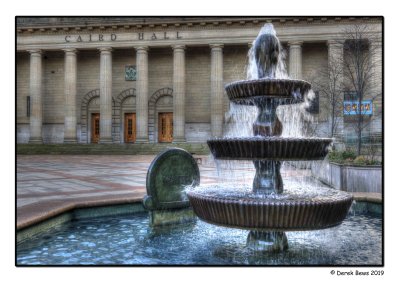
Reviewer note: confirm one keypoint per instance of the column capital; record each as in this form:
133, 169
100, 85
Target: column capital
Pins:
376, 43
142, 48
216, 46
178, 47
70, 51
105, 49
36, 52
334, 42
295, 43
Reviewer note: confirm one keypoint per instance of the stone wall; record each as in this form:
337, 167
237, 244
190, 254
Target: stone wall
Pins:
197, 132
53, 133
349, 178
121, 58
22, 61
88, 76
53, 90
315, 58
198, 81
23, 133
235, 61
160, 69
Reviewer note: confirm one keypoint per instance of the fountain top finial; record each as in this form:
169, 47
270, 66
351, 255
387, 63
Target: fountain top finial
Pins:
265, 55
267, 78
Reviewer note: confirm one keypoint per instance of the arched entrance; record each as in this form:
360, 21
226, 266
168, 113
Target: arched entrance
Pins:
91, 99
90, 112
160, 108
124, 116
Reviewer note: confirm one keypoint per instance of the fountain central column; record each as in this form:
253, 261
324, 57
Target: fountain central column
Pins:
268, 178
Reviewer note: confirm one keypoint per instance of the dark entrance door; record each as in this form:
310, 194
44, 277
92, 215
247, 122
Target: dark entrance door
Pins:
95, 127
165, 127
130, 127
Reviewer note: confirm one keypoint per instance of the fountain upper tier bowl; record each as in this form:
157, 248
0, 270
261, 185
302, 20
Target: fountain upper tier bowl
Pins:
273, 148
247, 92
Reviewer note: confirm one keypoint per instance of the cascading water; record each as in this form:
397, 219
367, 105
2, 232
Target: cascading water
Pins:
270, 65
268, 208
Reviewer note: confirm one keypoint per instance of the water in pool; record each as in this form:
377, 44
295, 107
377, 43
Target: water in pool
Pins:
128, 240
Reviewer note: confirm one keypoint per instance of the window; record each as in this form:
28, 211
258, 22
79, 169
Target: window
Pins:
28, 106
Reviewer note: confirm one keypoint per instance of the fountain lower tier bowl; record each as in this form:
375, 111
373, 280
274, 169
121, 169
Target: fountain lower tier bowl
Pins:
274, 148
279, 213
247, 92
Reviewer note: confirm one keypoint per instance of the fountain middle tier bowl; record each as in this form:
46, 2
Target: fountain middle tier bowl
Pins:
273, 148
319, 209
249, 92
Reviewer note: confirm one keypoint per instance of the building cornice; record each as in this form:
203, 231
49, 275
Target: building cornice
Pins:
235, 33
149, 24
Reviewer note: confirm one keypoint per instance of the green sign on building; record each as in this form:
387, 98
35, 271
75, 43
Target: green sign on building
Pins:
130, 73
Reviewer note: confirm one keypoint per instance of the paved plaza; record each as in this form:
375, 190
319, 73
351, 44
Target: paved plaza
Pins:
48, 185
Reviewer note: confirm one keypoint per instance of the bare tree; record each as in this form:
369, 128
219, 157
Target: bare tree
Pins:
354, 66
328, 82
361, 68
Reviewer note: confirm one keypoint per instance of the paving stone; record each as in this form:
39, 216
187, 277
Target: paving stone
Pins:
48, 185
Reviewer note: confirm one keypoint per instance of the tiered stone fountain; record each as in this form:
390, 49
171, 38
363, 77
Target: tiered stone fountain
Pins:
267, 209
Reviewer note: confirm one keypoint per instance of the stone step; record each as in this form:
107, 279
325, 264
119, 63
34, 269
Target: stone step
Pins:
108, 149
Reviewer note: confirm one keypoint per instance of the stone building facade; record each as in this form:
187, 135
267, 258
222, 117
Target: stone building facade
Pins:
149, 80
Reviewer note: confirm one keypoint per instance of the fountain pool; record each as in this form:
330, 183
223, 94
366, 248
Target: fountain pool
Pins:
128, 240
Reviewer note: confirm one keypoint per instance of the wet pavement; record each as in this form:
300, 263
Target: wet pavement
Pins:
48, 185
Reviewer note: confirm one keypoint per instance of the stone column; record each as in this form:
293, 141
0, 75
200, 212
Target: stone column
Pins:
335, 53
335, 61
376, 90
217, 90
142, 99
35, 92
70, 78
105, 95
179, 93
295, 59
376, 67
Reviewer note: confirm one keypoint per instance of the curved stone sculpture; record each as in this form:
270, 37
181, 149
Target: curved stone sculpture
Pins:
168, 174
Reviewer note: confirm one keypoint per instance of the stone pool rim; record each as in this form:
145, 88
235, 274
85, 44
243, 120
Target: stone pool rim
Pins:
68, 212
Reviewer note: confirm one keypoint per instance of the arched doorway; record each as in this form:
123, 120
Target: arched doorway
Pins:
124, 116
90, 104
161, 108
90, 113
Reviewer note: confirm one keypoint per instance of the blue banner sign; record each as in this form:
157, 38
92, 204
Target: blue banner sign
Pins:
354, 108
